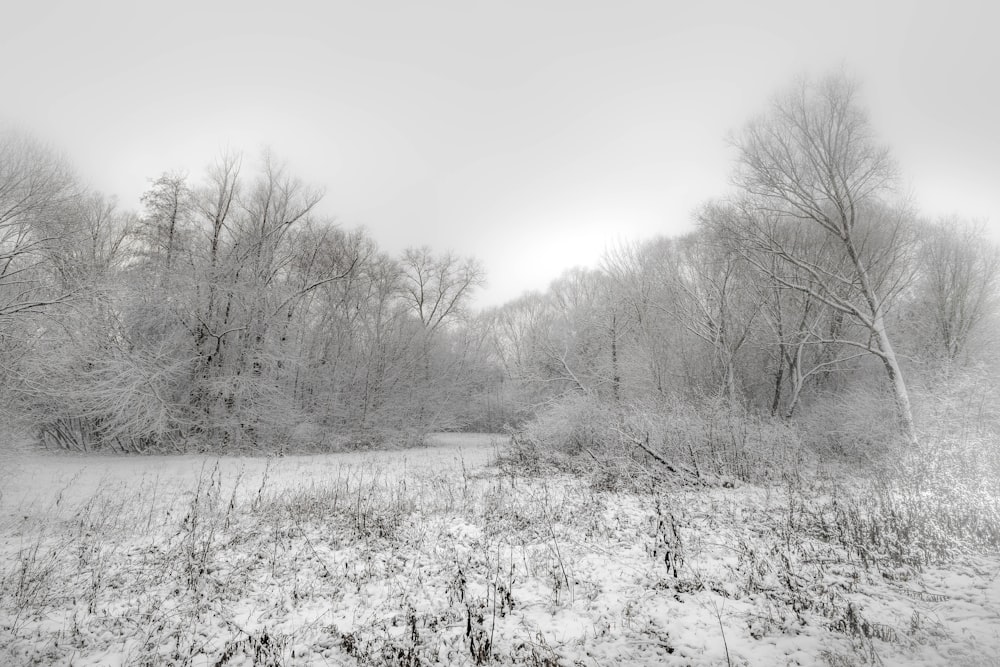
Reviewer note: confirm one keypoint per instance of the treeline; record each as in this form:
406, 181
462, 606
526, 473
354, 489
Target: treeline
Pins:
227, 315
812, 303
224, 315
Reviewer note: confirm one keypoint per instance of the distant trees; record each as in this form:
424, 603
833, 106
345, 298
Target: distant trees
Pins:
436, 289
169, 207
958, 276
92, 243
716, 302
228, 314
806, 284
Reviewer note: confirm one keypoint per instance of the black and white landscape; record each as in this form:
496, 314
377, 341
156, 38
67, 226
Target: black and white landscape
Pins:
542, 334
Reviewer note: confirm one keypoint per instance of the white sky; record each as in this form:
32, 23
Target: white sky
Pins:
529, 134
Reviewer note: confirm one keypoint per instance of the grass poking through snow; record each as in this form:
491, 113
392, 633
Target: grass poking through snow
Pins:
390, 562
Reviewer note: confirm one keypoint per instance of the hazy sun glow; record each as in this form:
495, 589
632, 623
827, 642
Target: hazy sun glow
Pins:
528, 135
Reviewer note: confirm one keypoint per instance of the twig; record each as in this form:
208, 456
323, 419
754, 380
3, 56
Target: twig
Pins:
555, 542
722, 629
646, 448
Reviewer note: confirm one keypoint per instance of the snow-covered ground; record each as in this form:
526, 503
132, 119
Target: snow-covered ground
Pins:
434, 556
32, 483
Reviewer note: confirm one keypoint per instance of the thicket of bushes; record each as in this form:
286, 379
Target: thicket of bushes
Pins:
886, 501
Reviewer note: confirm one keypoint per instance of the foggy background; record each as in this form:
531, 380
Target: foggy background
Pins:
530, 135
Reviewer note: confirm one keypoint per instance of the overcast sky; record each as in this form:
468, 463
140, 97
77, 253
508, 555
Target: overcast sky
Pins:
529, 134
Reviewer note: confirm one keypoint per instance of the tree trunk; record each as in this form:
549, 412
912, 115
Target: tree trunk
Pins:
888, 355
779, 374
899, 391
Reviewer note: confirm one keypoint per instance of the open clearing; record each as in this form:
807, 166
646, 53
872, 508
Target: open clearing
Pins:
439, 556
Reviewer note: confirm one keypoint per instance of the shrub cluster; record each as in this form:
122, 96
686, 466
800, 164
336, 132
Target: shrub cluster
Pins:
707, 442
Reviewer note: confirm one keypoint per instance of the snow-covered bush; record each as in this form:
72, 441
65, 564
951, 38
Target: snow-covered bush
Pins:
710, 441
857, 424
572, 425
714, 439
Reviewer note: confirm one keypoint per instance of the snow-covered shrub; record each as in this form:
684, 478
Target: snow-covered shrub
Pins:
856, 424
713, 440
573, 425
95, 395
929, 502
946, 493
921, 505
710, 441
957, 402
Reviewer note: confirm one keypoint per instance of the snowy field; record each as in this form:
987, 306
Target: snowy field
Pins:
438, 556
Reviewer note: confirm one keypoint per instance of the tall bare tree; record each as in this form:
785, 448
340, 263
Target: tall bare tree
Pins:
814, 159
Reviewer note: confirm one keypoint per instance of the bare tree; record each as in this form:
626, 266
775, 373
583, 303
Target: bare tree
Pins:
36, 189
634, 284
805, 333
169, 206
438, 287
577, 345
217, 199
93, 241
960, 273
715, 302
814, 159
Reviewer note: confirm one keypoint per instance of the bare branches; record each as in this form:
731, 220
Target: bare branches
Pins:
959, 281
36, 193
813, 158
438, 287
